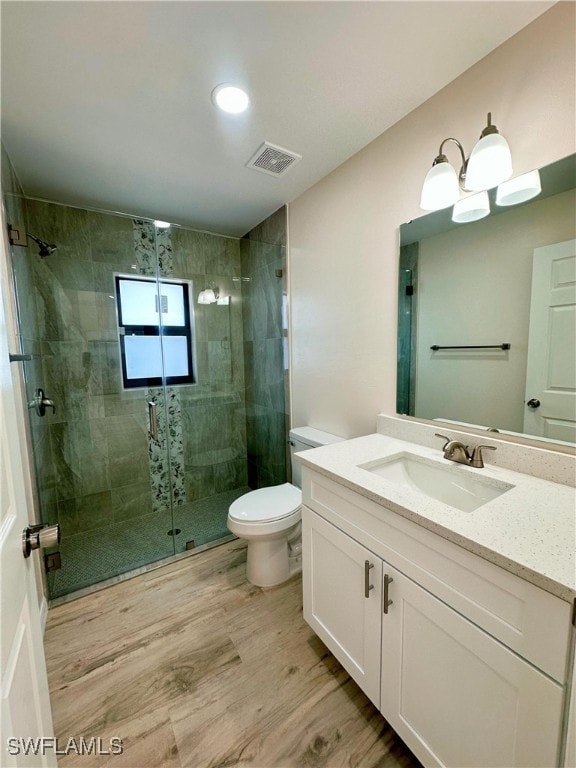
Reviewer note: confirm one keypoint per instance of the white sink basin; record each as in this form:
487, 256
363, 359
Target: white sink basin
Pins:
452, 485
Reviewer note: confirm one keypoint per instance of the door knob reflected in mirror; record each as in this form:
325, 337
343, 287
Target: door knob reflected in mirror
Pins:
533, 403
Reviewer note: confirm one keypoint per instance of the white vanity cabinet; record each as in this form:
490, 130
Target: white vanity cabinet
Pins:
466, 661
342, 600
457, 696
570, 759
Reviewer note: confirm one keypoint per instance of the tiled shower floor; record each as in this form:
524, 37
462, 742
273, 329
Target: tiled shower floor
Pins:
94, 556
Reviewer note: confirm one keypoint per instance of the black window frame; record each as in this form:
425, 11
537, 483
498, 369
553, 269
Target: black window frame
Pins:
157, 330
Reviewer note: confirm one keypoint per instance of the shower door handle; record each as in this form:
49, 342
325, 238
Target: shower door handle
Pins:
40, 402
153, 417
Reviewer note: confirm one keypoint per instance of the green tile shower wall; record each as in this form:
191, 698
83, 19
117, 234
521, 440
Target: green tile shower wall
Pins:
30, 337
265, 350
95, 467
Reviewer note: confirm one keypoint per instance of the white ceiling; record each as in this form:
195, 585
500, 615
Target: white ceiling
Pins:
107, 104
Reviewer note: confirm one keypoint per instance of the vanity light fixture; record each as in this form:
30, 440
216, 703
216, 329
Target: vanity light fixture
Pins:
489, 164
161, 224
471, 208
520, 189
442, 185
230, 98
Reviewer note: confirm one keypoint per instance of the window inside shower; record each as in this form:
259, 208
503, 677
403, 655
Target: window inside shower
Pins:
155, 326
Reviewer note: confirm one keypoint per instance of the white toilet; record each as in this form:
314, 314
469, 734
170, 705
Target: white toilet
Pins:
269, 518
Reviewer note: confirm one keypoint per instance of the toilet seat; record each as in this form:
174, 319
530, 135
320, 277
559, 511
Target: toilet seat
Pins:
266, 505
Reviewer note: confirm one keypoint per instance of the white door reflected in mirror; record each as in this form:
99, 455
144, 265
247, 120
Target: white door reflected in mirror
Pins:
551, 369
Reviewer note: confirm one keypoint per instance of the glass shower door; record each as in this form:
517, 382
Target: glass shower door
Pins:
101, 463
206, 412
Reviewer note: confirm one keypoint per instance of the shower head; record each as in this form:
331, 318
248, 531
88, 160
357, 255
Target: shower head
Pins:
45, 248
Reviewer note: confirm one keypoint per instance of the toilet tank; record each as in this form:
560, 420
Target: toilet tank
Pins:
302, 439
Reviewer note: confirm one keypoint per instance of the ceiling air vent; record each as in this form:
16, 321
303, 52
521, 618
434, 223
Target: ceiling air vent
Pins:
273, 160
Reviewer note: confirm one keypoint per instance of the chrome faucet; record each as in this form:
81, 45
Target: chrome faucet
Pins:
456, 451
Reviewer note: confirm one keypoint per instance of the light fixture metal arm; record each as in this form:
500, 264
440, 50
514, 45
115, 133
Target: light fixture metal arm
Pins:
443, 159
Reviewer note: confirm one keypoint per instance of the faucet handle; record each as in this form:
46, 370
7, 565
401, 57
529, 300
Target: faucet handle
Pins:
476, 458
443, 438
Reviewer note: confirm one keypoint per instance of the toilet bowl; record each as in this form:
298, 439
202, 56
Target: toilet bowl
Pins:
269, 519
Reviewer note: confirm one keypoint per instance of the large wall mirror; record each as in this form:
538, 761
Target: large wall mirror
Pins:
487, 315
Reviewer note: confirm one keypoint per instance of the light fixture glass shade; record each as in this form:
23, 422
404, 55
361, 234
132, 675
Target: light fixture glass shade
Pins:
207, 296
471, 208
440, 188
161, 224
490, 163
520, 189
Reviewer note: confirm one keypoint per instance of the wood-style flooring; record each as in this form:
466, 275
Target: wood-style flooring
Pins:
193, 667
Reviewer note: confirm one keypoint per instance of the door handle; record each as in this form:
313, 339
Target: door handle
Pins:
39, 537
153, 417
367, 586
387, 581
533, 403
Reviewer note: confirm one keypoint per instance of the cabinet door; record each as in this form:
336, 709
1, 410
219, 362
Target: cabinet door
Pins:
457, 696
345, 615
570, 757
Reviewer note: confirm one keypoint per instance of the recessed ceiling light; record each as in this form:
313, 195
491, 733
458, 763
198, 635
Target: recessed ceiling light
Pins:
230, 98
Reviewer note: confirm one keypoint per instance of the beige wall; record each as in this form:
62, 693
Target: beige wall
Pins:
344, 230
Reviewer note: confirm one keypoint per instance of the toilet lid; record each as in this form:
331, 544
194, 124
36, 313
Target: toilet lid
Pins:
267, 504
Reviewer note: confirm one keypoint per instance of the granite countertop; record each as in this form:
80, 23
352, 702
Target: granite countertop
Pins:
529, 530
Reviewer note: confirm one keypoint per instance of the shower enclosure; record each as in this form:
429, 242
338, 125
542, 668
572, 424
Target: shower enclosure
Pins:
154, 432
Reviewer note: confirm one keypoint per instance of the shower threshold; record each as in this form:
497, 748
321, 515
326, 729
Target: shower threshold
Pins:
53, 602
104, 556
